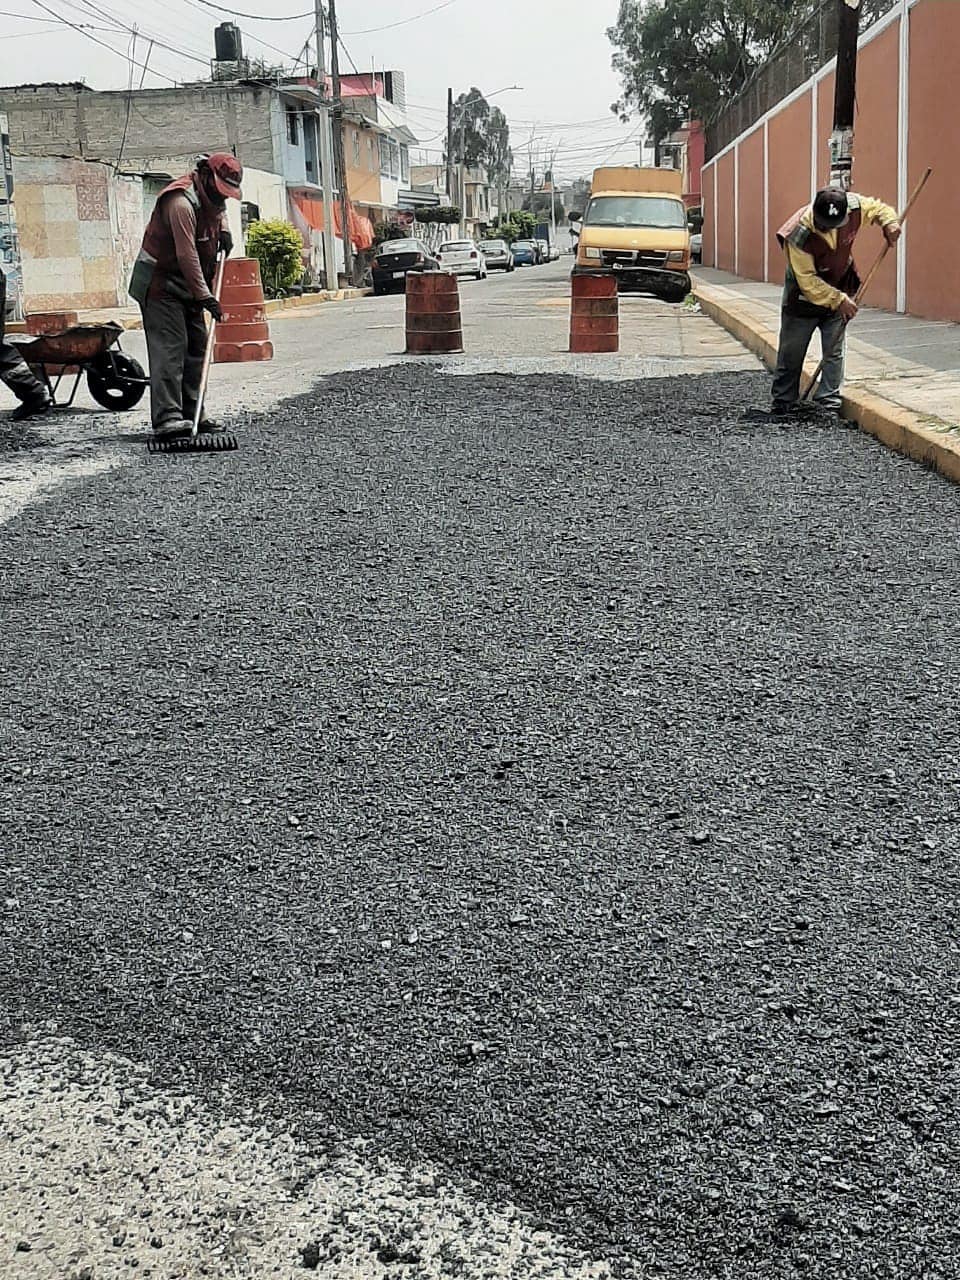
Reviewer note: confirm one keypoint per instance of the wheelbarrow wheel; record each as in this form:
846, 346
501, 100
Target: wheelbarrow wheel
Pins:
117, 384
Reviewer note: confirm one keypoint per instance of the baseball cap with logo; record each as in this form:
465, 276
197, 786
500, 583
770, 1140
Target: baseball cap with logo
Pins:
227, 173
830, 209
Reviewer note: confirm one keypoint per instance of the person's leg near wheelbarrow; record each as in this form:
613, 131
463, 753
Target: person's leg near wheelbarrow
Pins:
34, 397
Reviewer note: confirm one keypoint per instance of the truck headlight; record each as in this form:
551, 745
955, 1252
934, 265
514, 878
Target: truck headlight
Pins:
677, 255
592, 253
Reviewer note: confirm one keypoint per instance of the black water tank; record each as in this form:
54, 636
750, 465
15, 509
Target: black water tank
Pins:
227, 42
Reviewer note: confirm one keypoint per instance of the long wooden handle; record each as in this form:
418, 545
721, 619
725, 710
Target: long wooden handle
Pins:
208, 353
865, 284
886, 247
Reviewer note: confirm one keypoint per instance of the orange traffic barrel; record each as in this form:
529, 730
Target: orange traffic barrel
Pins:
433, 313
594, 313
243, 333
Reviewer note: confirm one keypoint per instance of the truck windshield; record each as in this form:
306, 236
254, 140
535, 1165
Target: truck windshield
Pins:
635, 211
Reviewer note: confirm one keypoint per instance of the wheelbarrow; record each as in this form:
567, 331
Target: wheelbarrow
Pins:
114, 379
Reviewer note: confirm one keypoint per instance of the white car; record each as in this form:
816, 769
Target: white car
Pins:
462, 258
696, 246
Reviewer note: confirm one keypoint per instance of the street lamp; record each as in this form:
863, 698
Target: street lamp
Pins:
461, 184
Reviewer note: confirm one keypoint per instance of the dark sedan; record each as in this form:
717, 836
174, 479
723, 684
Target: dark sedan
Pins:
394, 259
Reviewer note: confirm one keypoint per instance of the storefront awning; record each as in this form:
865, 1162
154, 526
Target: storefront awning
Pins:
310, 210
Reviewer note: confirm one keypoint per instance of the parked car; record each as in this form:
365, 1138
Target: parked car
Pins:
544, 247
554, 253
462, 258
696, 247
525, 253
395, 259
497, 254
8, 289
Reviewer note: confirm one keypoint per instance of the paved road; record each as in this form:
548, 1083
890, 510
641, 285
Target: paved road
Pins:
490, 825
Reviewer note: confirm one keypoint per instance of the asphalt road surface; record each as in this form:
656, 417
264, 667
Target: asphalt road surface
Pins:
491, 825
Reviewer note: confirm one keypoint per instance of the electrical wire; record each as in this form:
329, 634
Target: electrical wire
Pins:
103, 44
366, 31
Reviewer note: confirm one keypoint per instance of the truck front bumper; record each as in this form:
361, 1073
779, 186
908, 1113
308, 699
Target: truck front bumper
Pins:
645, 279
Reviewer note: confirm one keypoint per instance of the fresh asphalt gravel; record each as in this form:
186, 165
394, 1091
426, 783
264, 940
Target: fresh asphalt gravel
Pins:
553, 780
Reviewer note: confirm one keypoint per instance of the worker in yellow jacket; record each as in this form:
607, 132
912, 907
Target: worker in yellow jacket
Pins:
819, 290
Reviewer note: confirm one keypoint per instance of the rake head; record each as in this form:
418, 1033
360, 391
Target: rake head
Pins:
221, 442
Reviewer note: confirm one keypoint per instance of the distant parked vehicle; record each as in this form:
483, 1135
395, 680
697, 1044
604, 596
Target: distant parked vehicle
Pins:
525, 253
497, 254
554, 252
462, 258
544, 247
395, 259
696, 247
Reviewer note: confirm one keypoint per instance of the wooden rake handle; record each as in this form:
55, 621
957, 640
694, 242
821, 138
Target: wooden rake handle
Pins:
901, 218
208, 353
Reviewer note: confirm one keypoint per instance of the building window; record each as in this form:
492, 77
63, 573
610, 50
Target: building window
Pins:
356, 149
371, 158
385, 157
394, 160
404, 164
293, 127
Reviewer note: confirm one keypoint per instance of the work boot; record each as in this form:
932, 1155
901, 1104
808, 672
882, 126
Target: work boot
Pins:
174, 429
208, 427
32, 409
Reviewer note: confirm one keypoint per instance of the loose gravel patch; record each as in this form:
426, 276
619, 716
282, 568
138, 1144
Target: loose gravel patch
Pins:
552, 780
102, 1174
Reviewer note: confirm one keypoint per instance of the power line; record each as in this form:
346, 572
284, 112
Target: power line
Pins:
103, 44
366, 31
256, 17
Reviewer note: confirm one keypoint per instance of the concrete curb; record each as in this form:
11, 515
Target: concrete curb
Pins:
898, 428
277, 305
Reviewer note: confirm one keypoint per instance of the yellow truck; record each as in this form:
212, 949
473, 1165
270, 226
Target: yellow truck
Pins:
635, 227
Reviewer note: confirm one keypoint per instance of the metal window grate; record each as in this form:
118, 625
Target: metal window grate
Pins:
801, 55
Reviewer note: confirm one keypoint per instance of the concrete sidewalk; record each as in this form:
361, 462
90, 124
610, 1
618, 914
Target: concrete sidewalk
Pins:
903, 373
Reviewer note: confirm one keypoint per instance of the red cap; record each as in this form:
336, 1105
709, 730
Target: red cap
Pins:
227, 173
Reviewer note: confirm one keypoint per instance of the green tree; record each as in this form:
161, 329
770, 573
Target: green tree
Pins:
485, 134
685, 59
278, 248
518, 225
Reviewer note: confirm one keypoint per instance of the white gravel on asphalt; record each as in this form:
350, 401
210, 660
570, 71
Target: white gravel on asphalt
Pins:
104, 1176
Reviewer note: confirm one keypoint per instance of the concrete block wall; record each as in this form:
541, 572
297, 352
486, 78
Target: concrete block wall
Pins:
167, 128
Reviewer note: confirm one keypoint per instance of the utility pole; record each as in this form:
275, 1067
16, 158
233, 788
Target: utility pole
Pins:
553, 200
844, 103
338, 142
326, 157
463, 170
450, 145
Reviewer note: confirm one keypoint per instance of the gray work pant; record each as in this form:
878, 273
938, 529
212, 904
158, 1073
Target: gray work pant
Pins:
15, 372
795, 335
176, 341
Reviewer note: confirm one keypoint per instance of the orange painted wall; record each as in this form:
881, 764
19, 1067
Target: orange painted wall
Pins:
751, 230
875, 153
789, 171
363, 178
933, 265
709, 248
725, 208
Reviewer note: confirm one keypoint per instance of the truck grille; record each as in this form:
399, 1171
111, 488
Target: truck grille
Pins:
629, 258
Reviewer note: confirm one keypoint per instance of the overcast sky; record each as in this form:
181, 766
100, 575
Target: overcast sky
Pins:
556, 50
